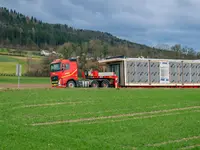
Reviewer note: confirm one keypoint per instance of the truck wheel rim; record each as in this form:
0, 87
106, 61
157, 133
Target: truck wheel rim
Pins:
94, 85
105, 85
71, 85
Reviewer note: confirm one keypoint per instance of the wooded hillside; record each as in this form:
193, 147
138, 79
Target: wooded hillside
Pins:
27, 33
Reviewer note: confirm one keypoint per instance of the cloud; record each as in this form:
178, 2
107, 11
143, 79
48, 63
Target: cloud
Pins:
148, 22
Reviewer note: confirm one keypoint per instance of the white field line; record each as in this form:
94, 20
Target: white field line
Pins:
90, 113
7, 103
174, 141
115, 116
74, 114
190, 147
132, 148
49, 101
52, 104
196, 110
140, 117
102, 111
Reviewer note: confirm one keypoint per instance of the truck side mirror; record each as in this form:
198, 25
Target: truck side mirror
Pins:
86, 73
63, 67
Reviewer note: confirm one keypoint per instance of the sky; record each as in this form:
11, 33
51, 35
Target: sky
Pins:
149, 22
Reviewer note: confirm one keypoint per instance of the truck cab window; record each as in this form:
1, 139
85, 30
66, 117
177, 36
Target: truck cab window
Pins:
67, 66
55, 67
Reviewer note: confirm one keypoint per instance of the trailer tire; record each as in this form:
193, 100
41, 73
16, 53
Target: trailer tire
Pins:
71, 84
94, 84
105, 84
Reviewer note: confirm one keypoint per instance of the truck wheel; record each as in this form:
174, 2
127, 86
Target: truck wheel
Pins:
94, 84
104, 84
71, 84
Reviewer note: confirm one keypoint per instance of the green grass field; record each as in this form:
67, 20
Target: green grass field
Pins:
8, 63
100, 119
25, 80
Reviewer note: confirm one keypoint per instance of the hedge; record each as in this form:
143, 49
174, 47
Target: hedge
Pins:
30, 74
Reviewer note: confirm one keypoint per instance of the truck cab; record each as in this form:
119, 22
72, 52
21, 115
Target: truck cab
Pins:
64, 72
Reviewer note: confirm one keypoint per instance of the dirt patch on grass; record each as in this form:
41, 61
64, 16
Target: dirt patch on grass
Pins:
115, 116
23, 86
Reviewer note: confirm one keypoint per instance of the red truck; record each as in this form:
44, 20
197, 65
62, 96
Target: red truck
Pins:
65, 73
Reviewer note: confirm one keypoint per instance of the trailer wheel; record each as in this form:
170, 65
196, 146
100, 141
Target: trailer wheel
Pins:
94, 84
105, 84
71, 84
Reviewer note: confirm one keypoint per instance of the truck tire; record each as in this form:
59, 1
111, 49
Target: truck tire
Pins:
71, 84
94, 84
105, 84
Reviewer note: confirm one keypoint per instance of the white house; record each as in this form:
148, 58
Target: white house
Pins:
45, 53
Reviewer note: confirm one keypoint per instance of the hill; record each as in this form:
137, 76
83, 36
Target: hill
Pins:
18, 29
22, 32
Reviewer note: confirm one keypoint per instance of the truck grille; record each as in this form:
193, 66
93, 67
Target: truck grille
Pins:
54, 78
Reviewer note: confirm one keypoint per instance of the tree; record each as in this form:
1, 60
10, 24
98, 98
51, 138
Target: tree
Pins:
82, 55
177, 49
105, 50
46, 62
191, 53
66, 50
95, 47
198, 55
184, 50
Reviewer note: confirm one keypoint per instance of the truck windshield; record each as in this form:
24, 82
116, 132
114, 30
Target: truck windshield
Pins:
55, 67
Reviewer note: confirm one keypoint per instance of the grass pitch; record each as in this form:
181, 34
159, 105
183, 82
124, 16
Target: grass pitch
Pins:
100, 119
24, 80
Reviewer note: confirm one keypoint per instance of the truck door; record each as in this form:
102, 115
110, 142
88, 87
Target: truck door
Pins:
116, 69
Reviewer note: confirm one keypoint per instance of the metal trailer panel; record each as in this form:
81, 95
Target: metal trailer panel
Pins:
195, 73
154, 68
137, 72
187, 72
148, 72
175, 72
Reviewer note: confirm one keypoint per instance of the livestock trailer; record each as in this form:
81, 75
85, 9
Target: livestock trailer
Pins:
145, 72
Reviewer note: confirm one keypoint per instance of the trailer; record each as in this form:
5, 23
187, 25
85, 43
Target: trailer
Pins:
146, 72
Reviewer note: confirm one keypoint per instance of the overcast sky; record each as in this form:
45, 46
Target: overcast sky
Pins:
149, 22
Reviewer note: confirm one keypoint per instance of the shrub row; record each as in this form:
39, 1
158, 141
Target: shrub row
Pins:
10, 74
30, 74
17, 54
12, 54
37, 74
